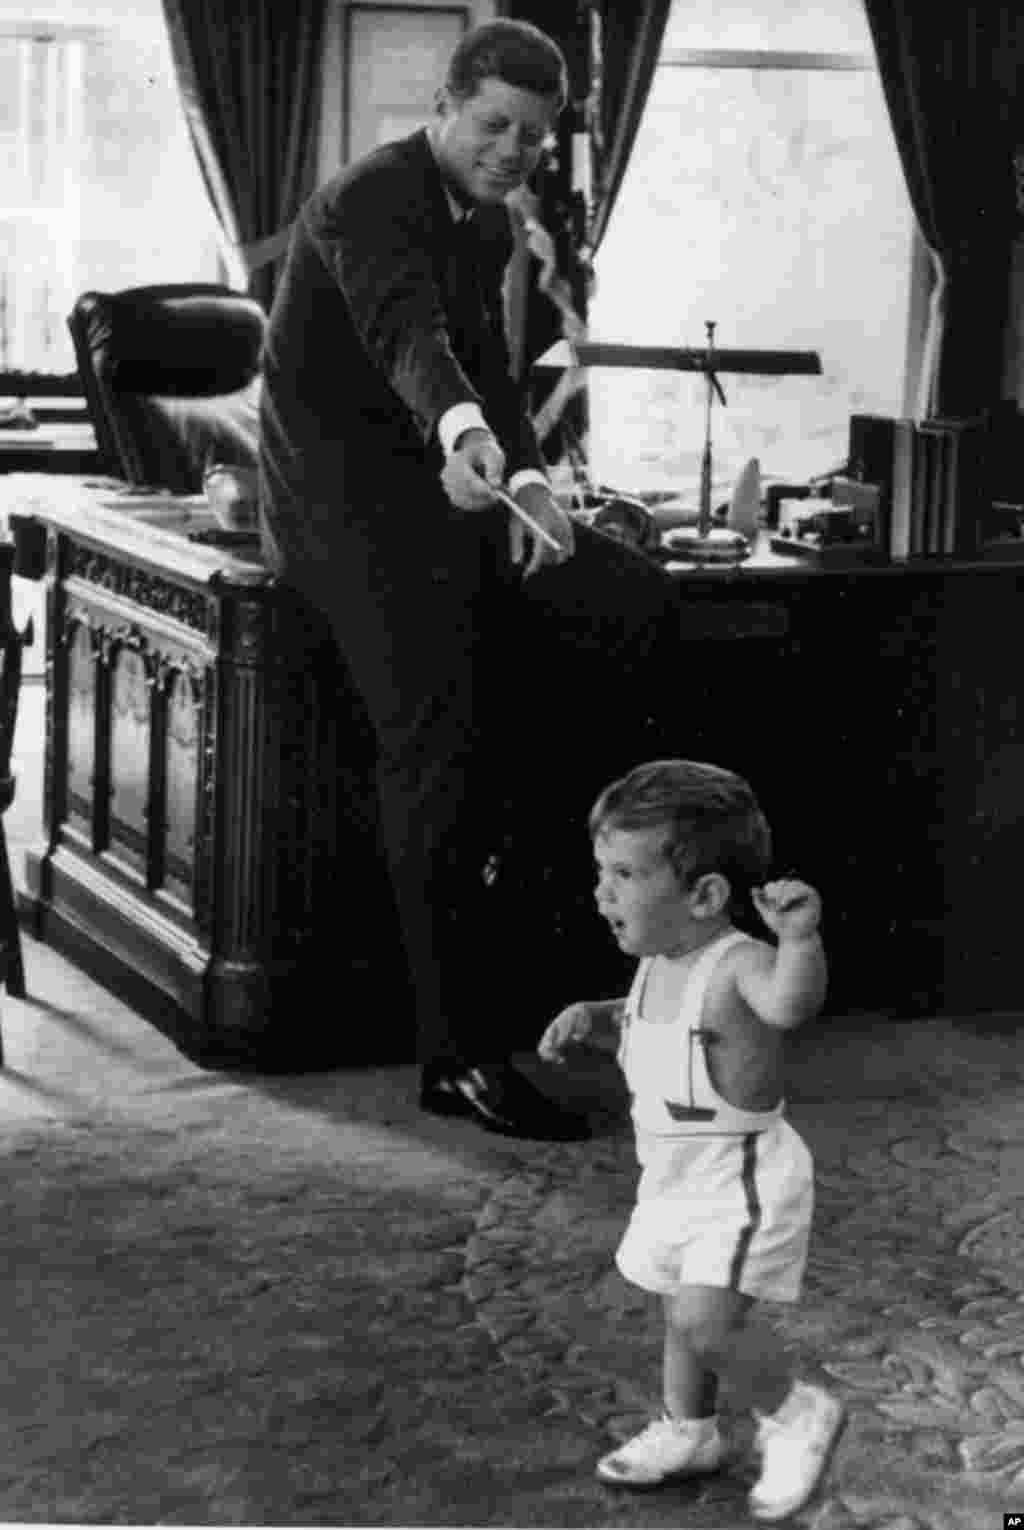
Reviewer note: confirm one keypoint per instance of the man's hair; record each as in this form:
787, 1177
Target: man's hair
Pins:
711, 817
514, 51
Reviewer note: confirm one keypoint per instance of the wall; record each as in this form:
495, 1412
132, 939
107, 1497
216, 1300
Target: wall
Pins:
333, 103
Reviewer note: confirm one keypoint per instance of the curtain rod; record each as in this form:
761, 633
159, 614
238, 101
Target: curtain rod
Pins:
751, 58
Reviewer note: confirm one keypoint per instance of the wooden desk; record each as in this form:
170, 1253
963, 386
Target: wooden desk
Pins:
877, 710
208, 769
193, 726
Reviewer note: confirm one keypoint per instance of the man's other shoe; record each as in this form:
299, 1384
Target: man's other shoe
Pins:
668, 1447
796, 1446
499, 1099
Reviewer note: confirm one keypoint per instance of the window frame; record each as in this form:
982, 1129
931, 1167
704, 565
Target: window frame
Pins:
14, 382
921, 264
28, 384
356, 11
763, 58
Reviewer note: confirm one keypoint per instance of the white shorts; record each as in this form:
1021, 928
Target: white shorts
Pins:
733, 1212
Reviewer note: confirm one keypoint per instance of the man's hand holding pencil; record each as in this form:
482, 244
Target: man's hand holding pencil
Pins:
474, 470
472, 479
534, 514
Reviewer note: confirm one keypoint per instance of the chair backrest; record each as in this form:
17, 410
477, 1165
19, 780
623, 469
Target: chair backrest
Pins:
171, 377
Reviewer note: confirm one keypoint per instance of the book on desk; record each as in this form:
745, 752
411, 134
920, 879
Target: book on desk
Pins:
931, 474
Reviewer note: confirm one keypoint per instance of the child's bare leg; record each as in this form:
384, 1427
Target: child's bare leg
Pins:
759, 1371
700, 1324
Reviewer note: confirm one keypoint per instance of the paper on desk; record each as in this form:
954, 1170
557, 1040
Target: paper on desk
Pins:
16, 439
159, 508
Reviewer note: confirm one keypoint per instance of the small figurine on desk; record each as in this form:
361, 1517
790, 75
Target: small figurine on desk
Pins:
744, 513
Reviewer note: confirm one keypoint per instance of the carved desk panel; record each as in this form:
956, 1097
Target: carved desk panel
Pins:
210, 828
202, 758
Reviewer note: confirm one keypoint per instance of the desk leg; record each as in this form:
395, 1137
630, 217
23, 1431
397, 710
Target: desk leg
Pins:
240, 789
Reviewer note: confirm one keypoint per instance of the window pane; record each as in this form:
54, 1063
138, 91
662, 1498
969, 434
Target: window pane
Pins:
772, 203
395, 61
145, 216
101, 187
803, 26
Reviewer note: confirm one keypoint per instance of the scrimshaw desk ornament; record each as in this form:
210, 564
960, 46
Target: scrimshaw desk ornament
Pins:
704, 543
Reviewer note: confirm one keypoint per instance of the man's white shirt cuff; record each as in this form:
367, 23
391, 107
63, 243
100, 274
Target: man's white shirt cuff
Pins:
526, 475
456, 420
462, 417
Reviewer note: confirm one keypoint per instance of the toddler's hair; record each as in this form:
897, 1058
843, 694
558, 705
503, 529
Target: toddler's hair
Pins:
711, 816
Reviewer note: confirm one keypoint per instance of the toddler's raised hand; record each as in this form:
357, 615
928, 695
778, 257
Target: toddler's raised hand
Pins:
791, 909
573, 1024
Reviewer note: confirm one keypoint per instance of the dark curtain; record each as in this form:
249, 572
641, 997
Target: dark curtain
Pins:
624, 46
561, 206
611, 51
949, 75
249, 76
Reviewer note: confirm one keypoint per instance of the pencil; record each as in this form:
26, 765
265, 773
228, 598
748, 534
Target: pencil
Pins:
527, 520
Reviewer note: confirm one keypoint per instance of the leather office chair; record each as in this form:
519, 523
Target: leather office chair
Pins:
171, 378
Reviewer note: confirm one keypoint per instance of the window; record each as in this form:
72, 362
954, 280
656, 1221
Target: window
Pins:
764, 194
396, 57
101, 186
382, 64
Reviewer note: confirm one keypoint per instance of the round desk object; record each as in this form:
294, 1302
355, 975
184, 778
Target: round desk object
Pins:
232, 494
627, 520
717, 546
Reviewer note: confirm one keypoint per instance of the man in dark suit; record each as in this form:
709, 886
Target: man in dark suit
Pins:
389, 416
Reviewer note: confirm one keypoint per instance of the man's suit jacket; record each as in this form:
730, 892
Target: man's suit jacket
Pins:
386, 316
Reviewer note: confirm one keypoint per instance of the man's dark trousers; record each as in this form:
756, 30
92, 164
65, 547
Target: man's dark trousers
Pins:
500, 704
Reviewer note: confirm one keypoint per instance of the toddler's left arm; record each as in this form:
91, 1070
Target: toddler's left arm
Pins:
788, 986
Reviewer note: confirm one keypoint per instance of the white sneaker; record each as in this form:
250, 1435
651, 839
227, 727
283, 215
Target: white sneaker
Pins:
796, 1448
668, 1447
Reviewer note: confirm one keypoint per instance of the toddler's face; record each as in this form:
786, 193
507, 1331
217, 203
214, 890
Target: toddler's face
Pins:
639, 894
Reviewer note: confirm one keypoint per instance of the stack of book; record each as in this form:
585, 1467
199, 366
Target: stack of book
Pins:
931, 474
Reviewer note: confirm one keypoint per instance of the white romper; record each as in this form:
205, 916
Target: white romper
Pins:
725, 1196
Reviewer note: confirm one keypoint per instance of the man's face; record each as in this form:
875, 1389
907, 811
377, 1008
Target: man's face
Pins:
490, 143
639, 894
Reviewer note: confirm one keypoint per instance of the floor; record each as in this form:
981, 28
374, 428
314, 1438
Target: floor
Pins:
260, 1300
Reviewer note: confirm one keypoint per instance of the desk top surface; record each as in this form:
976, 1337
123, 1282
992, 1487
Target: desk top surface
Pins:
155, 528
55, 436
151, 529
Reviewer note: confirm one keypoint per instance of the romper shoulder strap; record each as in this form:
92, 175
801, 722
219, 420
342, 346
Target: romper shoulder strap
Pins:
692, 1006
636, 988
633, 998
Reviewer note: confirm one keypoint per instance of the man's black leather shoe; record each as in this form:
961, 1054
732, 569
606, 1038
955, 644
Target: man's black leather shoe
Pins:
499, 1099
